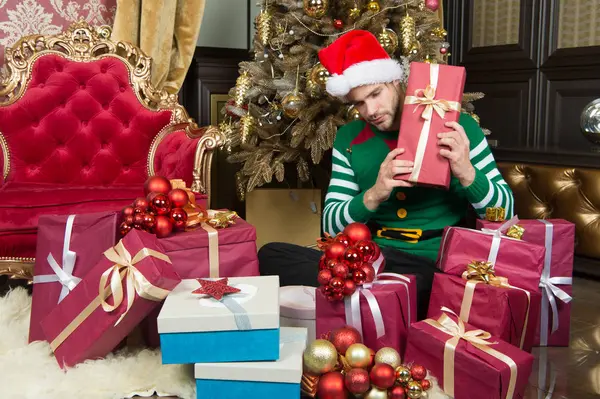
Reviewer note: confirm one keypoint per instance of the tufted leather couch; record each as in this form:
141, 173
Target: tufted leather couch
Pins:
544, 192
81, 129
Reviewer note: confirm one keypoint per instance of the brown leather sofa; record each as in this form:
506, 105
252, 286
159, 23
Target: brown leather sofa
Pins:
571, 193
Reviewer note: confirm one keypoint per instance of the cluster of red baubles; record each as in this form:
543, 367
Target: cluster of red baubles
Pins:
347, 262
159, 212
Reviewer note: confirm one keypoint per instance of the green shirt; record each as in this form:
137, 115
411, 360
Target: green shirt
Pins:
359, 150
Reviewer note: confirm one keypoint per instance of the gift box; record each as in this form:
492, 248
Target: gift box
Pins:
114, 296
433, 97
469, 363
254, 380
382, 311
506, 312
519, 261
558, 237
67, 247
297, 308
240, 326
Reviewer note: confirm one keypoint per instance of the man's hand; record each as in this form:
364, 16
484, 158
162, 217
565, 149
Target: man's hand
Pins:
455, 147
385, 183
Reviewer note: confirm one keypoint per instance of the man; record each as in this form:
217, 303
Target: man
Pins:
366, 181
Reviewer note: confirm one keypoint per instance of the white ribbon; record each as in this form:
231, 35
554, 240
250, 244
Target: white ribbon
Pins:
62, 275
543, 362
498, 235
549, 289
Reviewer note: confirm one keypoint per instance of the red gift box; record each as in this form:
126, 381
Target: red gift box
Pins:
510, 314
468, 363
67, 247
433, 97
519, 261
558, 237
130, 281
382, 311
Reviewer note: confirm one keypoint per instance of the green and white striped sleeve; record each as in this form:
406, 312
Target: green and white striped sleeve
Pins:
489, 189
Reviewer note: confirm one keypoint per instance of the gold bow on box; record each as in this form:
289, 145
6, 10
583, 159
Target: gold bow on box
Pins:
426, 98
495, 214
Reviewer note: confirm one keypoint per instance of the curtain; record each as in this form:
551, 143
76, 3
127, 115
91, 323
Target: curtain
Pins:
166, 30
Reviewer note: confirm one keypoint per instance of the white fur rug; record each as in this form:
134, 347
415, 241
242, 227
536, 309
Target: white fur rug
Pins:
31, 372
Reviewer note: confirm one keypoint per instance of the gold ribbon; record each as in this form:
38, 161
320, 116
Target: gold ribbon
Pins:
426, 98
496, 214
136, 282
213, 250
515, 231
477, 338
483, 272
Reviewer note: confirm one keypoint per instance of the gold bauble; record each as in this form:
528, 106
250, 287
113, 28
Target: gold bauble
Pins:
246, 127
359, 356
414, 390
388, 40
403, 374
320, 357
376, 393
312, 89
319, 75
373, 6
292, 104
388, 356
352, 113
264, 26
428, 59
439, 32
408, 32
242, 85
316, 8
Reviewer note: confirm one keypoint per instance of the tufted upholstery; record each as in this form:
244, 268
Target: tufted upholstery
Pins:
543, 192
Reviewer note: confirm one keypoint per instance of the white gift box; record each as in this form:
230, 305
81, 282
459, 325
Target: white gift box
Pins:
297, 308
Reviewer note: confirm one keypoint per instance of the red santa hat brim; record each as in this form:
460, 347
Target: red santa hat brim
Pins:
376, 71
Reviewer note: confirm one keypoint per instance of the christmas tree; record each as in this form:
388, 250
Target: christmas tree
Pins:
279, 112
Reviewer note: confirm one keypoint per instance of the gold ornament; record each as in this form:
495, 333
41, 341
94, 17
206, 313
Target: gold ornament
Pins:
388, 40
292, 104
373, 6
439, 32
428, 59
421, 5
388, 356
358, 355
354, 12
403, 374
376, 393
319, 75
409, 34
414, 390
242, 84
264, 26
316, 8
352, 113
312, 89
246, 127
320, 357
515, 231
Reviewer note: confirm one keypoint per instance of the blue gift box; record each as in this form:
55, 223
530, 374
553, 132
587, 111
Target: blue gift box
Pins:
278, 379
241, 327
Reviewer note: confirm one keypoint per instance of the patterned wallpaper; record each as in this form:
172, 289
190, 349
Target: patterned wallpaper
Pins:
579, 23
496, 22
24, 17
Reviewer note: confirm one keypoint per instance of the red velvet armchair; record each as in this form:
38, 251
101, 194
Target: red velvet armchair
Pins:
81, 129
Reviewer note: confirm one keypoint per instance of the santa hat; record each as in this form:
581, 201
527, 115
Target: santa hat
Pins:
356, 59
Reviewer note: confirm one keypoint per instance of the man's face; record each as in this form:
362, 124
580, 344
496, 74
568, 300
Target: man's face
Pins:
378, 104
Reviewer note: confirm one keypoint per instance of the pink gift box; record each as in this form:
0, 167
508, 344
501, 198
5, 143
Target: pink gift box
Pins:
519, 261
476, 374
86, 237
503, 312
558, 271
397, 307
418, 136
81, 327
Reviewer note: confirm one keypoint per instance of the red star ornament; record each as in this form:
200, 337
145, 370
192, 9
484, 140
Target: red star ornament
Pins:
216, 289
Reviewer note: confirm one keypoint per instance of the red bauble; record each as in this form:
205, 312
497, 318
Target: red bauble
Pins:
128, 220
433, 5
338, 23
357, 381
418, 372
369, 272
163, 226
331, 264
124, 229
366, 249
352, 255
357, 232
349, 287
359, 277
343, 239
138, 221
140, 203
340, 270
343, 337
149, 221
331, 386
179, 198
128, 211
354, 265
178, 218
323, 262
139, 210
383, 376
425, 384
324, 276
337, 282
397, 392
161, 204
337, 294
157, 184
335, 250
443, 50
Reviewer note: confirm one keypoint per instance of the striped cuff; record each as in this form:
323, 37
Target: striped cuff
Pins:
358, 211
480, 192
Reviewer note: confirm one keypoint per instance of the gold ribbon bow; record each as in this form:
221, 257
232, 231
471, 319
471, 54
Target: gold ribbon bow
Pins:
426, 98
477, 338
495, 214
515, 231
480, 270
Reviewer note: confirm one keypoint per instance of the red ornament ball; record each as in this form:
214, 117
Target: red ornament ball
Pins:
383, 376
331, 386
324, 276
138, 221
140, 204
425, 384
178, 218
179, 198
443, 50
149, 221
418, 372
335, 296
161, 204
349, 287
128, 211
357, 381
124, 229
357, 232
336, 282
163, 226
323, 262
157, 184
335, 250
369, 272
359, 277
343, 239
352, 255
433, 5
340, 270
338, 23
128, 220
343, 337
397, 392
366, 249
